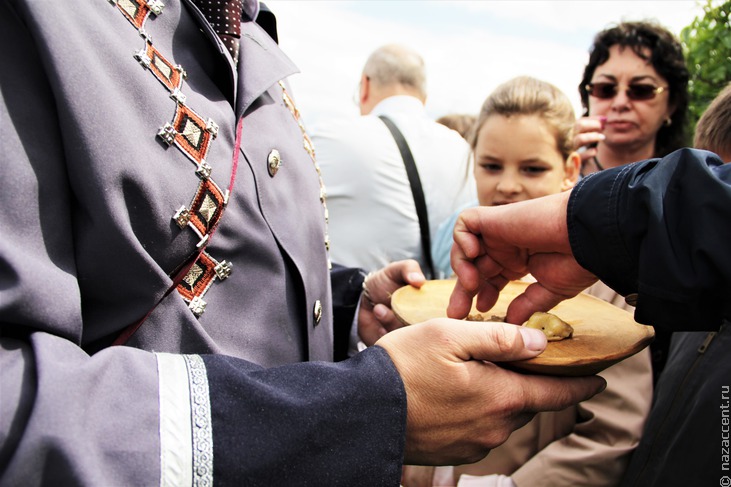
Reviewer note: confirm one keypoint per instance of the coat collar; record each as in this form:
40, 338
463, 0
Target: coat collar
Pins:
261, 65
261, 62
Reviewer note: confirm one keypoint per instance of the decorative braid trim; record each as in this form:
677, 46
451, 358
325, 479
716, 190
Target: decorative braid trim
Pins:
193, 135
201, 422
186, 434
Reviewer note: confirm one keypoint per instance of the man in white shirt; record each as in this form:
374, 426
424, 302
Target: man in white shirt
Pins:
373, 217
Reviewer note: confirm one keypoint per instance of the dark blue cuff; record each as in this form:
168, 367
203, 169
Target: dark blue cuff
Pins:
310, 423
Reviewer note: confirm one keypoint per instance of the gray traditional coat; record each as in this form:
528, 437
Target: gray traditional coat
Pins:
128, 215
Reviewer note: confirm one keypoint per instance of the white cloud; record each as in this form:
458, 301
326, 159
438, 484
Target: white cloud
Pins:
469, 46
594, 15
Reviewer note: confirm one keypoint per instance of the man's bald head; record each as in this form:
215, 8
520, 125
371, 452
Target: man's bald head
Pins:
389, 71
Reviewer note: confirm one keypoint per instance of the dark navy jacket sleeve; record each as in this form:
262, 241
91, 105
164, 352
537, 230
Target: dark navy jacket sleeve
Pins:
258, 412
660, 228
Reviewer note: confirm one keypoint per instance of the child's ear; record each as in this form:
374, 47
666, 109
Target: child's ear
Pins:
572, 167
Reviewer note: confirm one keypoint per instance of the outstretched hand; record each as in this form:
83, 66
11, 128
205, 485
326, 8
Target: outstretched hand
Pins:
459, 403
376, 318
496, 245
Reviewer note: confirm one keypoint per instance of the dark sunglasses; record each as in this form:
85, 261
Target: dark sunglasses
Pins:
635, 91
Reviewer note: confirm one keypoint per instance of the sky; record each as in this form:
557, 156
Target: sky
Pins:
469, 47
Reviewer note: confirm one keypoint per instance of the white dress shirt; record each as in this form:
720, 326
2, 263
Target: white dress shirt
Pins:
373, 218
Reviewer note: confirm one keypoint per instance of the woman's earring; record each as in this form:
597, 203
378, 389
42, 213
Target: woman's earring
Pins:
668, 122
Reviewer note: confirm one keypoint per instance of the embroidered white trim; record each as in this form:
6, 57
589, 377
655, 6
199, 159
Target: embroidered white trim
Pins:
176, 449
201, 422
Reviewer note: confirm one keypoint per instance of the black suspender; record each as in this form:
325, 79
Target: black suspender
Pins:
417, 192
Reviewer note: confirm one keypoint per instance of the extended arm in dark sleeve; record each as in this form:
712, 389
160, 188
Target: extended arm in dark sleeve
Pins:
144, 419
660, 228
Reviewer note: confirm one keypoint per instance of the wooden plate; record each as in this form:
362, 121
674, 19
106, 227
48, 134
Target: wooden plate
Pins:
603, 334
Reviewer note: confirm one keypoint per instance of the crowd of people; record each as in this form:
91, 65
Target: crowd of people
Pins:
627, 119
195, 289
523, 149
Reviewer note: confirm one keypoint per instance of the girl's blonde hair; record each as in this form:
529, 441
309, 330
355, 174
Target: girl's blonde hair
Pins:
525, 95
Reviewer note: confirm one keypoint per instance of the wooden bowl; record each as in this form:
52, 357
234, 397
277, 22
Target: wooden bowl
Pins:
603, 333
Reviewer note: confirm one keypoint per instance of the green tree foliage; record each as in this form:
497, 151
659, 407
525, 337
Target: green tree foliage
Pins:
707, 44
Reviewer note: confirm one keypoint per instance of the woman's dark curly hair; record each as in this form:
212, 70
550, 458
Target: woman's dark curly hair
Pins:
666, 56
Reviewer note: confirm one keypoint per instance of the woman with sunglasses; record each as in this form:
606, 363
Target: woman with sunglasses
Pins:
635, 96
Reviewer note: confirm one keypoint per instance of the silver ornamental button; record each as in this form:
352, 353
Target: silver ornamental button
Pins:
317, 312
178, 96
212, 128
167, 133
142, 58
274, 162
223, 269
197, 305
182, 216
204, 170
156, 6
